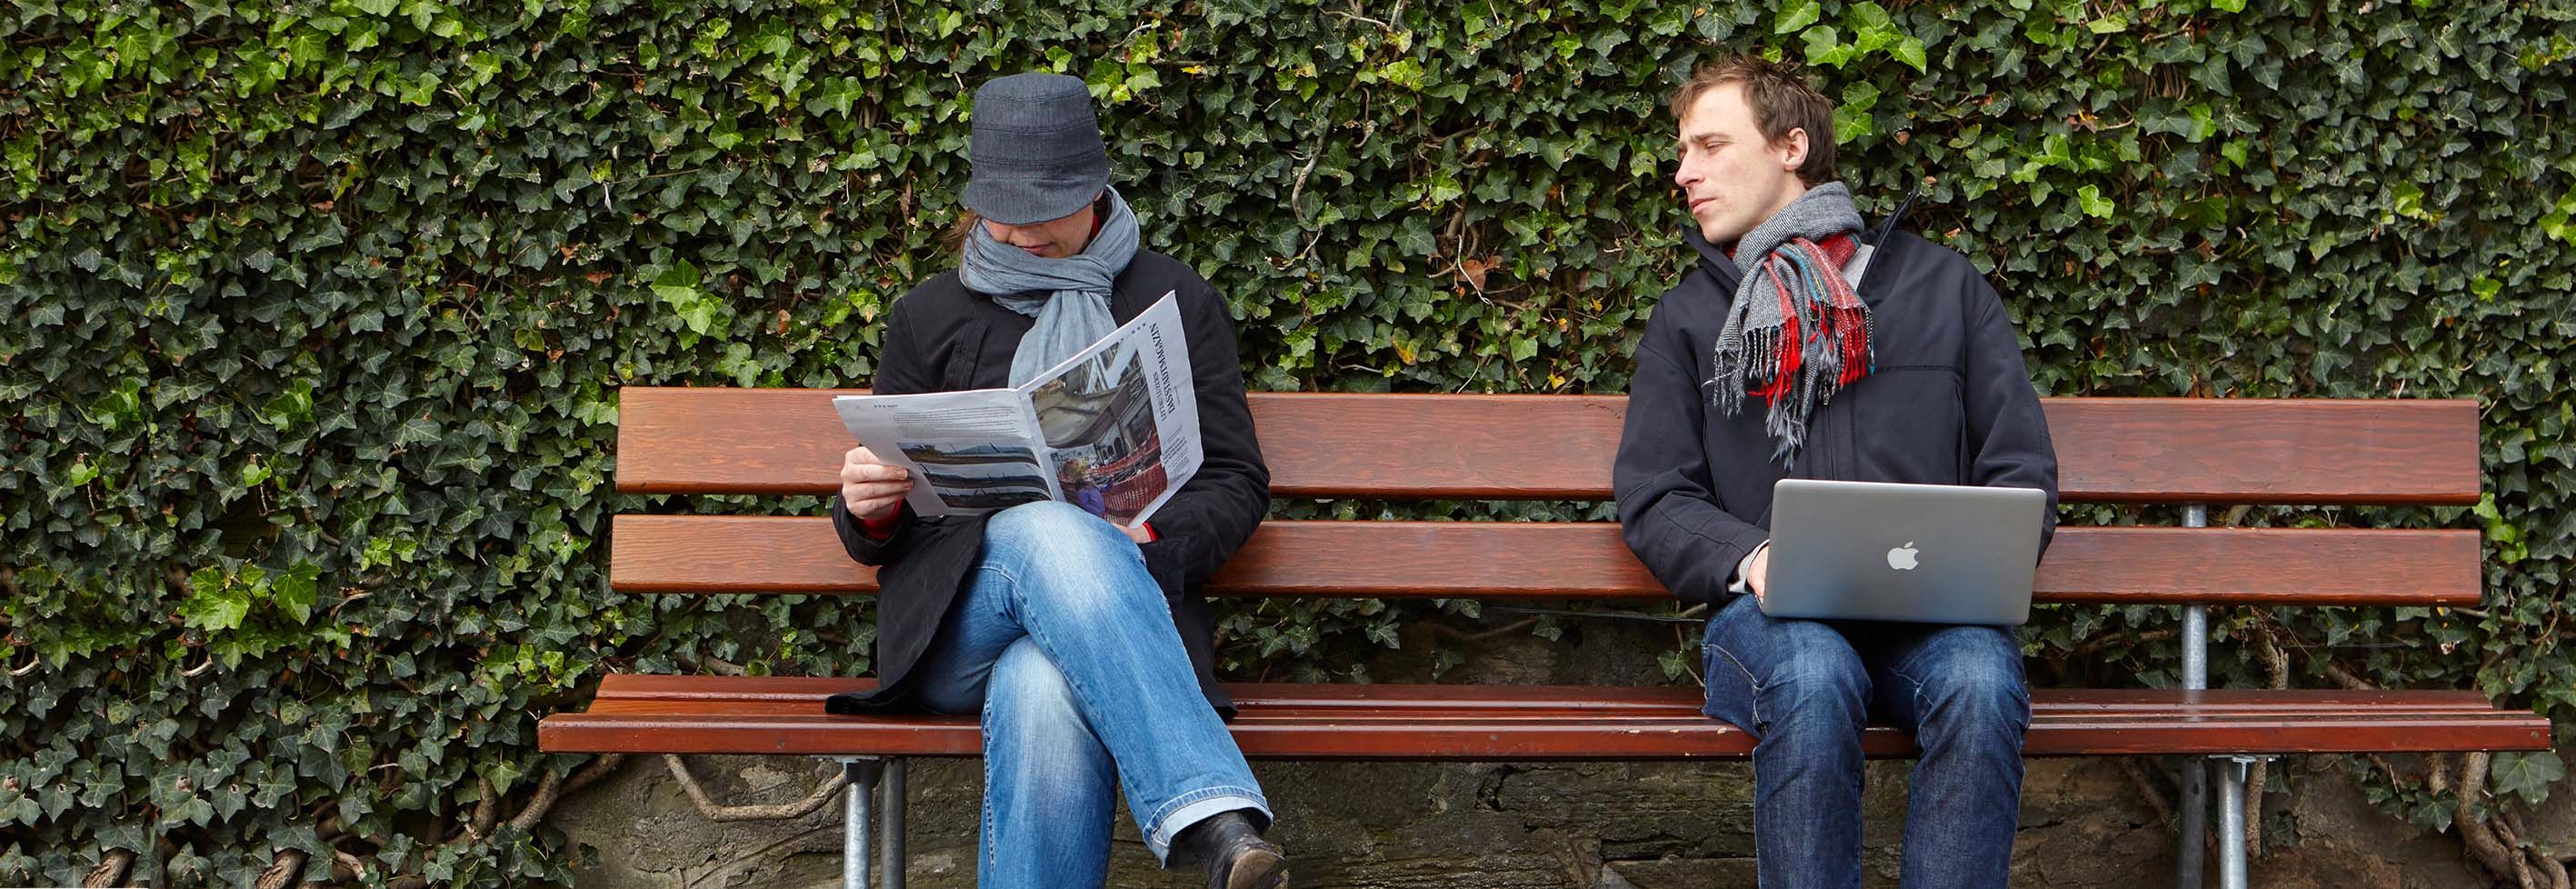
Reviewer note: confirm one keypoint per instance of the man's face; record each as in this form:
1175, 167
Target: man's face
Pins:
1052, 239
1732, 178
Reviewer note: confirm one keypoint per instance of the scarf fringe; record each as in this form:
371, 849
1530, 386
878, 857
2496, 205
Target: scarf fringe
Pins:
1823, 341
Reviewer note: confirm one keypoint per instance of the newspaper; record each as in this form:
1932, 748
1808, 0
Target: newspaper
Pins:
1114, 430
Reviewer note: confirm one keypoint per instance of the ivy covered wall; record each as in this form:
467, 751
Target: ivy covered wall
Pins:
313, 315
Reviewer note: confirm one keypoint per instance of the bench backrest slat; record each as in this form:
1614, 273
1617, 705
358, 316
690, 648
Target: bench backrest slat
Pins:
1548, 447
1501, 560
1524, 447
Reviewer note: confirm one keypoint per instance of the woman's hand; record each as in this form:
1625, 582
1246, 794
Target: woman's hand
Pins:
870, 487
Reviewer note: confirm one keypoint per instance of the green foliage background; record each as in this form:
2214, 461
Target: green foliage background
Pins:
315, 313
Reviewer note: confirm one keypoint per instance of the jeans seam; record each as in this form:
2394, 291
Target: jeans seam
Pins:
1009, 580
1753, 701
984, 839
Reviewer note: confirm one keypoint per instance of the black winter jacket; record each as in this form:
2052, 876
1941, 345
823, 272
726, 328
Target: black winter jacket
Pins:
942, 337
1948, 403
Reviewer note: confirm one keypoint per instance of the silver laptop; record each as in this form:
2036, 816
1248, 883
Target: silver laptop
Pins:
1946, 554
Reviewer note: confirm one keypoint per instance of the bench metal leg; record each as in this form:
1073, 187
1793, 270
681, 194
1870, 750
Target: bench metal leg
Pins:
891, 827
2194, 809
856, 820
2231, 820
2194, 805
2231, 825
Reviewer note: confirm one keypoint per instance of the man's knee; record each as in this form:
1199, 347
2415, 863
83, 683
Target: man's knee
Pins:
1977, 693
1036, 740
1820, 687
1047, 524
1059, 554
1028, 693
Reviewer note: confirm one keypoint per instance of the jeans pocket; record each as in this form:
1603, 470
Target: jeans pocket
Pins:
1731, 690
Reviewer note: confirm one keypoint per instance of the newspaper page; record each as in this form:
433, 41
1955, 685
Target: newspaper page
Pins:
1113, 430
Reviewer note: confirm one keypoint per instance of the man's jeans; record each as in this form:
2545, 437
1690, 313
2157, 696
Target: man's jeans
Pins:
1807, 688
1065, 645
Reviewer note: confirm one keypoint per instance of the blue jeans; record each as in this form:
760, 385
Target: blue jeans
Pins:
1064, 643
1807, 688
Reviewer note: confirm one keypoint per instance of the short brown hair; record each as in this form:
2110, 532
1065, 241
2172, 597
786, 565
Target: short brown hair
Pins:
1782, 100
957, 234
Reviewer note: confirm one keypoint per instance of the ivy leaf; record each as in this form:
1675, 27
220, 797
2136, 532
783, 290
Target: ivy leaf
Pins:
1800, 14
2407, 199
678, 288
23, 810
295, 590
2527, 775
504, 774
2094, 204
418, 430
307, 48
214, 602
1867, 15
272, 787
1825, 47
2555, 222
774, 38
836, 97
228, 800
2237, 150
1852, 117
2204, 122
1910, 51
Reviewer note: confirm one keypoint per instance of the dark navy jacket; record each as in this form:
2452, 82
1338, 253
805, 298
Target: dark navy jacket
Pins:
1949, 403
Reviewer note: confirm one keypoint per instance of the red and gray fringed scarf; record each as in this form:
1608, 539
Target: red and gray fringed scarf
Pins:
1797, 332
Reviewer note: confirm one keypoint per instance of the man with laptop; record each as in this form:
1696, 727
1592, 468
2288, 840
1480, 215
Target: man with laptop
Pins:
1832, 442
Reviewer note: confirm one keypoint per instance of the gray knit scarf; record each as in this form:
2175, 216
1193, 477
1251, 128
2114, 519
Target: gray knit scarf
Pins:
1797, 332
1069, 297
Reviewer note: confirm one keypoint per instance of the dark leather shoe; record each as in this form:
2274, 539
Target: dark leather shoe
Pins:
1235, 854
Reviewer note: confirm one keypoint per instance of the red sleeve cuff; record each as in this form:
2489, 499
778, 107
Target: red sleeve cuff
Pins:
882, 527
1150, 536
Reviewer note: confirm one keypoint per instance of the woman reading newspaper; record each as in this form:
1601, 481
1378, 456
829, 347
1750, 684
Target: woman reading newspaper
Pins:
1084, 646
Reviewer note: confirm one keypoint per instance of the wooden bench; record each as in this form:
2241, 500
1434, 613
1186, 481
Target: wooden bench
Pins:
2195, 452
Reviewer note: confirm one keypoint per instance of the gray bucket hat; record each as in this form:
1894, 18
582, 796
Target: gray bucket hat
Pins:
1036, 152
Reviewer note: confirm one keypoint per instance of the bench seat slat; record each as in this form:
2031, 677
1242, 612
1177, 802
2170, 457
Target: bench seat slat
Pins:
1559, 447
1687, 710
2340, 566
775, 715
800, 692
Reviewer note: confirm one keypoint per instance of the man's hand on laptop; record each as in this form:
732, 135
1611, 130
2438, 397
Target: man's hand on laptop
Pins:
1757, 573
